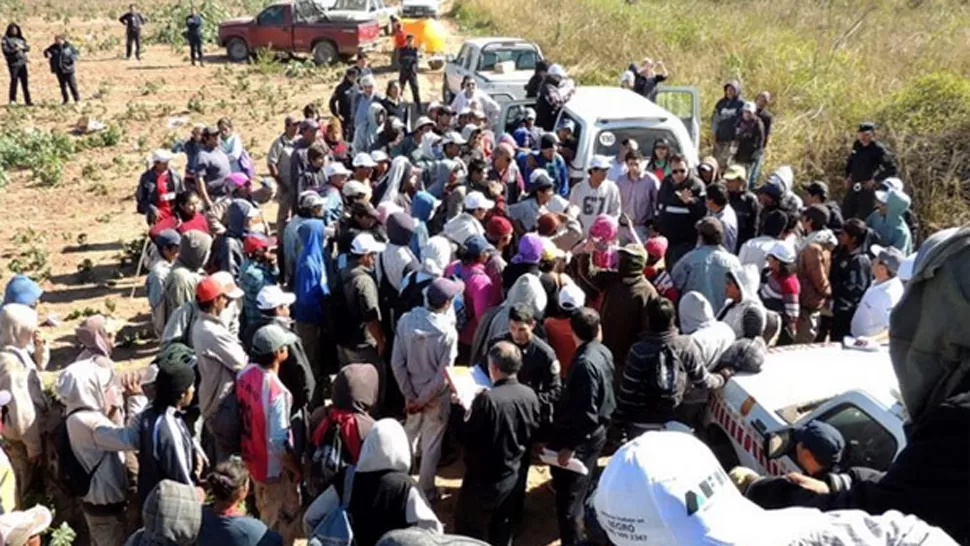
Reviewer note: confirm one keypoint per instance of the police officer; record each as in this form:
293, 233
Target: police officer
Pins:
408, 58
869, 164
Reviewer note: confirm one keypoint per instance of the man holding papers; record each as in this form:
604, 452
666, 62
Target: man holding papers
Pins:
499, 429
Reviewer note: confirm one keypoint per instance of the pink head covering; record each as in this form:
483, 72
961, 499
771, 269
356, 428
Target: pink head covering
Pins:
605, 229
237, 180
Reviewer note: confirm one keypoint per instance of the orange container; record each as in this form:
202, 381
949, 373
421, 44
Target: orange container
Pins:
429, 34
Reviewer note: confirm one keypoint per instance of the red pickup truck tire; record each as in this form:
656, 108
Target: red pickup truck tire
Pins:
237, 50
324, 53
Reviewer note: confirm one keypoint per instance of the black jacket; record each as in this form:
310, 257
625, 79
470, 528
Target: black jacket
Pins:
676, 219
540, 372
789, 205
767, 118
748, 210
850, 278
133, 22
835, 217
295, 372
726, 113
15, 57
548, 103
342, 101
408, 58
533, 85
872, 162
751, 140
193, 26
929, 479
498, 431
643, 85
63, 58
158, 447
587, 401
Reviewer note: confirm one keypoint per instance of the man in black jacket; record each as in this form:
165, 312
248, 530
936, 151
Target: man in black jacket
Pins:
342, 102
725, 117
851, 276
535, 82
579, 428
869, 164
194, 35
499, 430
408, 58
746, 206
63, 59
682, 202
817, 193
133, 22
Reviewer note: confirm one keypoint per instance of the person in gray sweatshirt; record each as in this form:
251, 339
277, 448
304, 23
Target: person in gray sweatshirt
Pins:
426, 344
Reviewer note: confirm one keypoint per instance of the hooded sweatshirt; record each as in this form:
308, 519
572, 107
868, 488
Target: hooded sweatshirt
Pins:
310, 275
748, 211
814, 265
187, 270
711, 337
384, 497
397, 258
748, 279
426, 344
422, 209
782, 180
229, 253
366, 132
726, 113
82, 387
23, 416
891, 227
172, 515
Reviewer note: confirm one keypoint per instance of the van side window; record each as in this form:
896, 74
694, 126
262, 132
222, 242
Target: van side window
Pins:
463, 56
867, 442
272, 16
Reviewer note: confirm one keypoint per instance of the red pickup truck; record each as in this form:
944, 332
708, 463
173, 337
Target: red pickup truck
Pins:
278, 28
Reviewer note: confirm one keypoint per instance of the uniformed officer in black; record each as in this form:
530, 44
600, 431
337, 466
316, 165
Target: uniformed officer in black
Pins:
408, 57
868, 165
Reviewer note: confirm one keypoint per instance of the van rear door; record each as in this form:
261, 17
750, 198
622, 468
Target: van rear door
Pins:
685, 103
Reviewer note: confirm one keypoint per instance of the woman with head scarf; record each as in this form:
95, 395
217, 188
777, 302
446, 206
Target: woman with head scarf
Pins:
24, 414
423, 208
96, 334
86, 390
25, 291
337, 440
366, 133
311, 289
382, 496
399, 186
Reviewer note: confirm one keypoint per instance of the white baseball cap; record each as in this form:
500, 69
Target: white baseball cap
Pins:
666, 488
557, 70
336, 168
355, 188
272, 296
161, 156
905, 272
365, 243
380, 155
783, 252
364, 160
477, 200
571, 297
453, 137
600, 162
882, 196
229, 288
530, 113
17, 527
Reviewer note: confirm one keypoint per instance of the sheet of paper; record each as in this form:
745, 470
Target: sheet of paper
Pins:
861, 344
551, 458
466, 382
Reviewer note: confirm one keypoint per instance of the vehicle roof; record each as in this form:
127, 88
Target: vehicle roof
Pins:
613, 103
802, 374
482, 42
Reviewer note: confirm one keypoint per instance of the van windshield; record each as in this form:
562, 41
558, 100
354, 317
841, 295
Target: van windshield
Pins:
523, 56
608, 141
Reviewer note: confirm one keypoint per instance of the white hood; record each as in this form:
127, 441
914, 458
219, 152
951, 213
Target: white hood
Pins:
386, 447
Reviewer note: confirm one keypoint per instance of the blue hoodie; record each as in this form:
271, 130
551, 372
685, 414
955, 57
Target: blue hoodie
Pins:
891, 228
422, 208
310, 279
23, 290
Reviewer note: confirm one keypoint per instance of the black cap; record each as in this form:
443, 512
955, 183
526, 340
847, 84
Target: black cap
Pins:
818, 189
211, 130
824, 441
867, 126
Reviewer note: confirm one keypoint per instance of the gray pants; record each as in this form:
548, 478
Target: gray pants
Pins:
106, 530
429, 427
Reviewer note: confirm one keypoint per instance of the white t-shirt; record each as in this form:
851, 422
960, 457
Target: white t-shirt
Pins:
871, 318
592, 202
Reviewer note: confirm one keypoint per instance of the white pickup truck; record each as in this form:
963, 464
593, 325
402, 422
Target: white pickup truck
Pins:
854, 391
501, 66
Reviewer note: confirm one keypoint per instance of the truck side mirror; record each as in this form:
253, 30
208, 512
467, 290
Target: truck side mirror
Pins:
778, 444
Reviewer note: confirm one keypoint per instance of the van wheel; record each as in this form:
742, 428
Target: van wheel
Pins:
324, 53
237, 50
721, 445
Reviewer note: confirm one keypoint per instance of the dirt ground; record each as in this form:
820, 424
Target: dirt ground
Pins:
79, 228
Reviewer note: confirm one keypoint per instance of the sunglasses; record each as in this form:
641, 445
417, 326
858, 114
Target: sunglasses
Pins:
678, 171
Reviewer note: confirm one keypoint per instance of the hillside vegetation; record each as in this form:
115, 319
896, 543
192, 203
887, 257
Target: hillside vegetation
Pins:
829, 65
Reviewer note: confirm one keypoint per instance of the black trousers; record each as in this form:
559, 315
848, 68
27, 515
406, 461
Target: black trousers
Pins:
411, 78
572, 488
488, 511
195, 50
133, 40
19, 74
68, 82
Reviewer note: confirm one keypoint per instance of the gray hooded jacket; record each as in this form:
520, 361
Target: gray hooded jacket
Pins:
427, 343
748, 280
187, 270
711, 337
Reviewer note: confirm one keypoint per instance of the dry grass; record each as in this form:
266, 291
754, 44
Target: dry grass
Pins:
830, 64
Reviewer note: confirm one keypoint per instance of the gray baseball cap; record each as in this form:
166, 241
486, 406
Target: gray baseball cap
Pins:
272, 338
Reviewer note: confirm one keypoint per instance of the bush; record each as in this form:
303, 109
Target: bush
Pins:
41, 152
169, 22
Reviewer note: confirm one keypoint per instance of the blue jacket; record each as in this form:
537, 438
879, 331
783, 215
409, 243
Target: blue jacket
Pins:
310, 277
704, 270
556, 167
892, 228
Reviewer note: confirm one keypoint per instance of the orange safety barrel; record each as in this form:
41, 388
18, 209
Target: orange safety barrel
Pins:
429, 34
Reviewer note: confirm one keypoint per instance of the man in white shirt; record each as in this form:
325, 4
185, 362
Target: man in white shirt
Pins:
871, 318
597, 194
755, 251
469, 94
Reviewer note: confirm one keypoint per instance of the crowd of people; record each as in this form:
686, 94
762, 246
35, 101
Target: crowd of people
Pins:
308, 365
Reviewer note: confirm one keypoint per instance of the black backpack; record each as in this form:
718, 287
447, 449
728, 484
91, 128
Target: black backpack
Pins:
70, 471
412, 294
667, 380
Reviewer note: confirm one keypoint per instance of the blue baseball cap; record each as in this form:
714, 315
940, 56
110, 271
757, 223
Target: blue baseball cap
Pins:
824, 441
23, 290
476, 245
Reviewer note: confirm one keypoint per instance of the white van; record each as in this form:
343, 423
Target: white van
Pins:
606, 116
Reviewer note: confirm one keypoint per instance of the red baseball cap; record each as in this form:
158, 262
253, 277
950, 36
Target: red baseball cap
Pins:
211, 287
257, 241
498, 227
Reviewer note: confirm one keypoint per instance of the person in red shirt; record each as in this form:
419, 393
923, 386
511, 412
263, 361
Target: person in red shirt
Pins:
186, 216
400, 39
157, 188
559, 330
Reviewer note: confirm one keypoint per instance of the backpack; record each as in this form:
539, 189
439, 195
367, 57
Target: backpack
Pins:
336, 528
70, 471
412, 294
387, 294
463, 311
667, 380
227, 422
